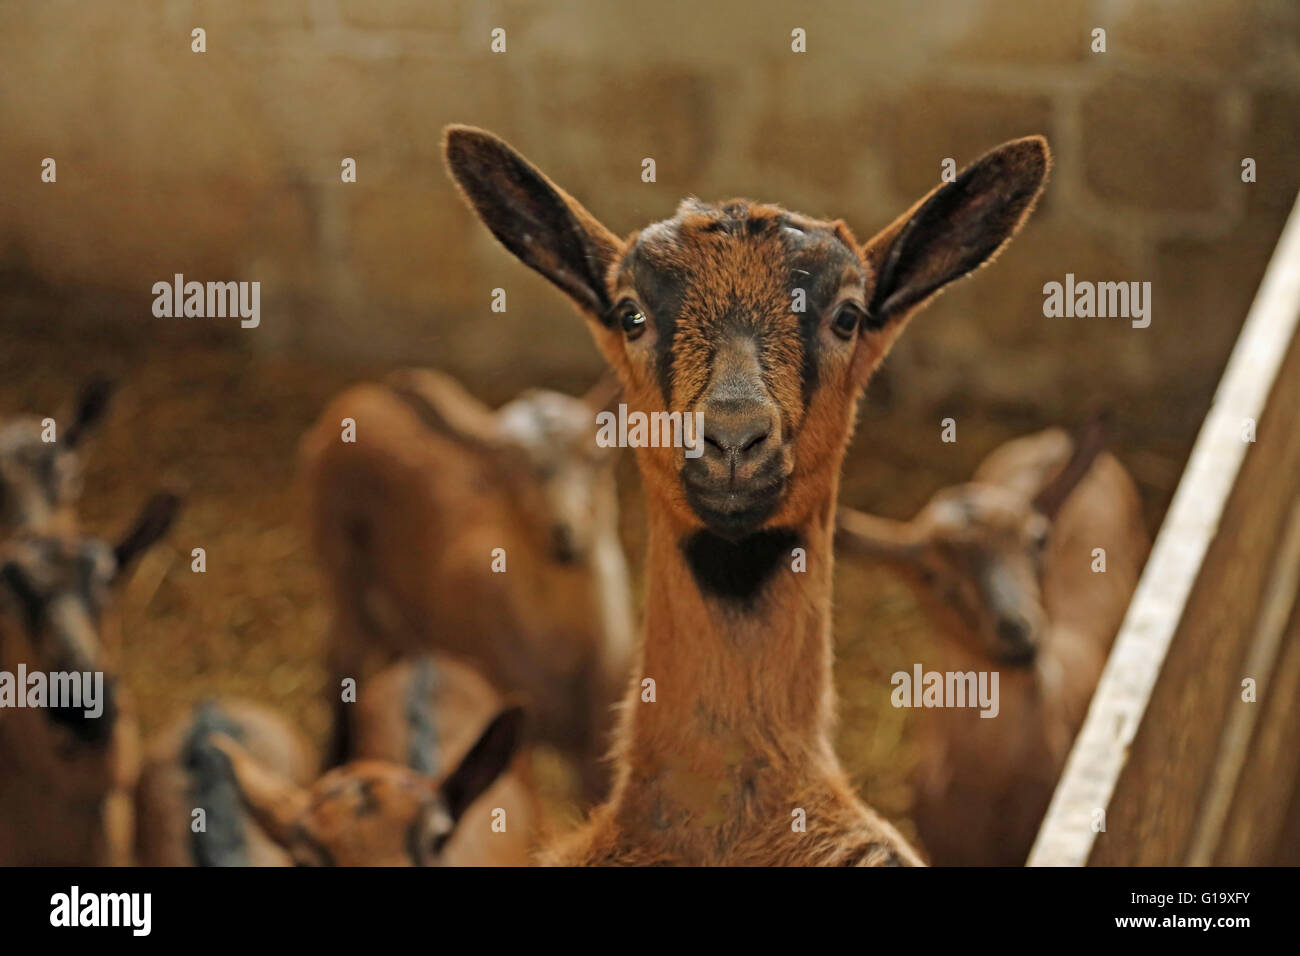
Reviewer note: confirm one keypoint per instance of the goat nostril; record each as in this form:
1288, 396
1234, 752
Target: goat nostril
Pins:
1016, 632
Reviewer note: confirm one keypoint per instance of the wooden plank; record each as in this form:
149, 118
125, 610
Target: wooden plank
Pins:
1155, 733
1255, 830
1263, 735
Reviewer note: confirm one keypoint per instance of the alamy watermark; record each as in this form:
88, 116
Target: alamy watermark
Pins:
924, 688
133, 911
651, 430
60, 690
209, 300
1085, 300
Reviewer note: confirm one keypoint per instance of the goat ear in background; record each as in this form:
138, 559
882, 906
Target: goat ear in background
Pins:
1088, 444
92, 403
954, 230
485, 762
873, 537
154, 521
275, 803
446, 407
604, 394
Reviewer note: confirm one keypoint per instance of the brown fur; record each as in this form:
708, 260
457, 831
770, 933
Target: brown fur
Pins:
405, 522
165, 800
460, 705
40, 481
377, 812
695, 314
1028, 520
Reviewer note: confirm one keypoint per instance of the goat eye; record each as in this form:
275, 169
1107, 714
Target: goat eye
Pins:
632, 319
846, 320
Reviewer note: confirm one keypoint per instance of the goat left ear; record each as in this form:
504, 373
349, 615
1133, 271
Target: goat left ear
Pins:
486, 761
446, 407
154, 521
955, 229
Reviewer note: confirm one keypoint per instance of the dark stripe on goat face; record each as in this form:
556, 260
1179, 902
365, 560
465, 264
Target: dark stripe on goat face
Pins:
659, 283
823, 263
29, 601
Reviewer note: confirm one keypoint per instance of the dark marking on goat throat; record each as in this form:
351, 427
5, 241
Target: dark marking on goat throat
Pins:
737, 572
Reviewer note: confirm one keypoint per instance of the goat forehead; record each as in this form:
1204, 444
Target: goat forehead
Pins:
978, 508
716, 253
342, 798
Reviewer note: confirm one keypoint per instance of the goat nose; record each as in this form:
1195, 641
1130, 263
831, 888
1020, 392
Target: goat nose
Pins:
1017, 637
735, 436
563, 544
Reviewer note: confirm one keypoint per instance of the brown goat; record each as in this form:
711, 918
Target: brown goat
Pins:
184, 771
376, 812
426, 714
40, 481
66, 774
407, 519
1003, 567
768, 323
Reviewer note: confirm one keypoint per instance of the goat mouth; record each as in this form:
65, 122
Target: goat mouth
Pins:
1018, 656
733, 513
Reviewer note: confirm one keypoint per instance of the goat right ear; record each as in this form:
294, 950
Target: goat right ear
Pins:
540, 223
486, 760
275, 803
873, 537
1088, 444
154, 521
92, 402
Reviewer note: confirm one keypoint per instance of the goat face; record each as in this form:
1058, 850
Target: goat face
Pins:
371, 812
38, 479
975, 556
766, 322
979, 565
40, 471
54, 594
559, 473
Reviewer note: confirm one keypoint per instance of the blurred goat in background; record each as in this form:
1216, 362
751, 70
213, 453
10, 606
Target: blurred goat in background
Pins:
41, 469
1006, 569
491, 535
66, 774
